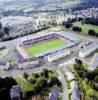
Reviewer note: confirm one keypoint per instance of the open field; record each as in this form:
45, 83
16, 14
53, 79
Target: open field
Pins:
86, 27
44, 46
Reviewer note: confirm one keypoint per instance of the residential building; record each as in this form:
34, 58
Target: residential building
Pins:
94, 61
87, 49
75, 92
54, 94
15, 93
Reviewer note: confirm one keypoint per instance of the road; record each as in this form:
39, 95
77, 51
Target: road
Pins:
64, 85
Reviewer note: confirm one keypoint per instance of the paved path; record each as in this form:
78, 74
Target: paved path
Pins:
64, 85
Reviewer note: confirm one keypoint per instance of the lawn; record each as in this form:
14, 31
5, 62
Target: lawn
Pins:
27, 86
86, 27
24, 84
41, 47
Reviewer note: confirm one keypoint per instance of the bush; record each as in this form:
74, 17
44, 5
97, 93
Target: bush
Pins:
32, 81
36, 75
53, 81
93, 21
41, 74
45, 73
68, 25
78, 61
40, 84
77, 29
80, 19
92, 32
96, 79
29, 94
25, 75
81, 73
51, 71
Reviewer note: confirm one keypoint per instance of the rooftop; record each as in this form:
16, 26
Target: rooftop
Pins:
94, 62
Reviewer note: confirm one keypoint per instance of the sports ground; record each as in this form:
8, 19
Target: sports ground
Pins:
41, 47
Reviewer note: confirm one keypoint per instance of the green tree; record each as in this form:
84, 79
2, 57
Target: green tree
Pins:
96, 79
45, 73
0, 25
25, 75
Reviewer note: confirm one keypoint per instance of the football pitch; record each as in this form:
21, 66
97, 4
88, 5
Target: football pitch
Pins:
41, 47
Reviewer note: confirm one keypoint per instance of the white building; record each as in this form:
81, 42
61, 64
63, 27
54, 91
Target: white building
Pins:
88, 49
59, 54
94, 61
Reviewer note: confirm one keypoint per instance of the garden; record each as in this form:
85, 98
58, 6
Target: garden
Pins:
87, 80
37, 84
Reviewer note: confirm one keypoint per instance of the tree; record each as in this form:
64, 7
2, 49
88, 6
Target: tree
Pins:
45, 73
92, 32
53, 81
96, 79
78, 61
2, 33
32, 81
81, 73
36, 75
5, 86
4, 94
6, 30
80, 19
68, 25
1, 82
40, 84
77, 29
9, 82
0, 25
25, 75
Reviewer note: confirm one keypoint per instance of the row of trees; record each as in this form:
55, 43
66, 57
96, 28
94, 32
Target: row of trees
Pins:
93, 21
74, 28
91, 76
5, 32
79, 29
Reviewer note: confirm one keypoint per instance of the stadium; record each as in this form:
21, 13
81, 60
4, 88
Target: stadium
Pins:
43, 45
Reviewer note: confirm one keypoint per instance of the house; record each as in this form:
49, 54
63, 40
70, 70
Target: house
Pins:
54, 94
15, 93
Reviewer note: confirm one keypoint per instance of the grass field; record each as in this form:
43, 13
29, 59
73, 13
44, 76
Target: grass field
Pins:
86, 27
44, 46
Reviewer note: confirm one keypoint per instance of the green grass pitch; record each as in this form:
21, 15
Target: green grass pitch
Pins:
86, 27
44, 46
